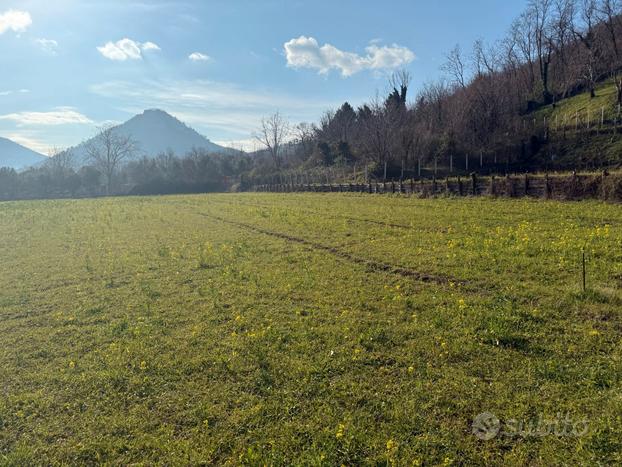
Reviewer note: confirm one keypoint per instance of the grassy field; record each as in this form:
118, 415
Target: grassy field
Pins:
309, 329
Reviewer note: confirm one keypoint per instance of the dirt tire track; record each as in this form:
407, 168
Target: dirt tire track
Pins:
371, 264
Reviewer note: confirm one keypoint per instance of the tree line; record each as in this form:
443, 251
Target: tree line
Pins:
555, 49
475, 112
110, 166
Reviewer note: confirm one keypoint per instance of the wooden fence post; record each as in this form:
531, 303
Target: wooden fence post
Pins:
460, 191
526, 184
474, 184
492, 185
547, 186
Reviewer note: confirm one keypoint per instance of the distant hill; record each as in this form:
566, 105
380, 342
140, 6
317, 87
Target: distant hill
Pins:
17, 156
156, 131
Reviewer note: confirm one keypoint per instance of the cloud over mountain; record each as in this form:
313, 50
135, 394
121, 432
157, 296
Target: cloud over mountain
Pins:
305, 52
58, 116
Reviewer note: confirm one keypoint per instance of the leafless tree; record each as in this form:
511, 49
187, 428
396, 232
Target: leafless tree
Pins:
60, 161
586, 33
611, 15
562, 27
273, 134
523, 45
399, 81
378, 131
108, 150
540, 14
455, 67
400, 116
304, 133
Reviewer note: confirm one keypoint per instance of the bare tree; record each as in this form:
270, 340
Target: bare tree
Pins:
378, 130
523, 46
484, 59
108, 150
305, 135
273, 133
400, 116
561, 29
586, 32
60, 161
610, 13
455, 66
399, 82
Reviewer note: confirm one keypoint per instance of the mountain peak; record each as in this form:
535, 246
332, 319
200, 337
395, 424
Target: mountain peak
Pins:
156, 131
156, 112
17, 156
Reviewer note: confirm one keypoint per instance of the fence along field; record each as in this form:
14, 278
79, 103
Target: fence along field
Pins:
307, 328
605, 186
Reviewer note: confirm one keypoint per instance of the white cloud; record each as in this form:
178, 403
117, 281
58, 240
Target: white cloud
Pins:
58, 116
150, 46
15, 20
126, 49
9, 92
305, 52
222, 111
28, 141
198, 57
47, 45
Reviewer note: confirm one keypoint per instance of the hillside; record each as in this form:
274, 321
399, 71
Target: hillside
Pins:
16, 156
155, 131
581, 130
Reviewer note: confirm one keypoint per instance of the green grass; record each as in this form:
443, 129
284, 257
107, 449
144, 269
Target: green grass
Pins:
583, 105
582, 148
307, 329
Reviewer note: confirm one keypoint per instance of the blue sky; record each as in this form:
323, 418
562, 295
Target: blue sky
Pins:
71, 65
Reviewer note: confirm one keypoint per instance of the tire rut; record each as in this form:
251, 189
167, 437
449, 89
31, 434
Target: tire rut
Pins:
376, 266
